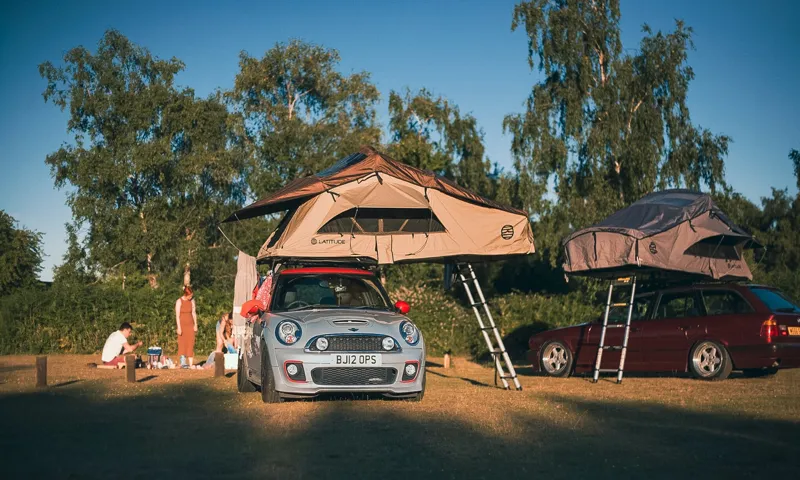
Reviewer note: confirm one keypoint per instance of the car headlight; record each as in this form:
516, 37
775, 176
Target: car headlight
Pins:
388, 343
409, 332
288, 332
322, 344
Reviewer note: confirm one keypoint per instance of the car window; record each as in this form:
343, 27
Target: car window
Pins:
295, 291
724, 302
641, 310
677, 305
775, 300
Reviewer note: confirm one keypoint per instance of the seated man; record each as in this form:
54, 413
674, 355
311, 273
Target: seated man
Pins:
117, 346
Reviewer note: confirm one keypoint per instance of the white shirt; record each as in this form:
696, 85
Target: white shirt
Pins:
113, 346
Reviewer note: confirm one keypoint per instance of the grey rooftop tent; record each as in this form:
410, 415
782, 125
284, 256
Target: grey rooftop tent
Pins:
673, 231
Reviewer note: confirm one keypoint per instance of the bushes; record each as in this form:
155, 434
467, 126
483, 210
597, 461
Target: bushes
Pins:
79, 318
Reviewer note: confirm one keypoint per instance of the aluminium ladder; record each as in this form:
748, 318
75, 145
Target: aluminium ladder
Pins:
466, 276
623, 349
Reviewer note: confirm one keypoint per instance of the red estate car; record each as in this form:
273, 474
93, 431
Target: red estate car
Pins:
706, 329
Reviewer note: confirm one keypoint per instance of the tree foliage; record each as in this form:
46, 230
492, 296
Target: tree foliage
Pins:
605, 127
149, 170
296, 112
20, 255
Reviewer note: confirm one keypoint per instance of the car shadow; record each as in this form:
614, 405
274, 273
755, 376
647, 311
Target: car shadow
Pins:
171, 432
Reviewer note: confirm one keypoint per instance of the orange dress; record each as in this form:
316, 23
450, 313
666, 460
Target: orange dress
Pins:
186, 339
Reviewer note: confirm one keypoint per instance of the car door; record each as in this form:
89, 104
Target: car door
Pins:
677, 319
635, 357
730, 318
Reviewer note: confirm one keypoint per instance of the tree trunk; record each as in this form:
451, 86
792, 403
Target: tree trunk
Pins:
187, 275
152, 278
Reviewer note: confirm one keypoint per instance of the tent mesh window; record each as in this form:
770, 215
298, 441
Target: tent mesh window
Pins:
384, 220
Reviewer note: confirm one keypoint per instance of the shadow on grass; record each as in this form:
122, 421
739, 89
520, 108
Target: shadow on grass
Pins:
468, 380
66, 383
186, 431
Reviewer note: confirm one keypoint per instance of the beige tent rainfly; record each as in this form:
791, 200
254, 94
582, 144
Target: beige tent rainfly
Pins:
674, 230
368, 206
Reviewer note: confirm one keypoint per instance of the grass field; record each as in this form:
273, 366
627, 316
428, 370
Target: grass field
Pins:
177, 424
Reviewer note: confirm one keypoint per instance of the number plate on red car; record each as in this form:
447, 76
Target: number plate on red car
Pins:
794, 330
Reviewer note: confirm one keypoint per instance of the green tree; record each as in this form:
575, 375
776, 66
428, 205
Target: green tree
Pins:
296, 113
604, 127
432, 134
149, 168
20, 255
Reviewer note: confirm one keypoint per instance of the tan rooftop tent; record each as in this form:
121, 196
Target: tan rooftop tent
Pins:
370, 207
674, 231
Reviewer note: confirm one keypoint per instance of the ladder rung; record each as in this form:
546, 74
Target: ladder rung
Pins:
608, 370
507, 375
613, 347
623, 304
616, 325
477, 304
486, 329
497, 350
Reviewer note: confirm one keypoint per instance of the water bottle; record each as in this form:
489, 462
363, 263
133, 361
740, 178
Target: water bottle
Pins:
183, 361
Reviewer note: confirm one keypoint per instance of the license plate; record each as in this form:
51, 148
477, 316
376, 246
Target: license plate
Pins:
794, 330
356, 359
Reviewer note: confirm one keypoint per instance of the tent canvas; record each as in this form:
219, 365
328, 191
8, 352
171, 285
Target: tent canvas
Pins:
674, 230
369, 207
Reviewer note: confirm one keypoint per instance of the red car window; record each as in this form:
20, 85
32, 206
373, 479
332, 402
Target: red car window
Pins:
725, 302
678, 305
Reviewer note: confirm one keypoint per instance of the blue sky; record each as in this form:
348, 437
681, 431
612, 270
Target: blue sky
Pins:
746, 67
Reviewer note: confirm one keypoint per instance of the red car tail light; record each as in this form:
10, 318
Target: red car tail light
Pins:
769, 329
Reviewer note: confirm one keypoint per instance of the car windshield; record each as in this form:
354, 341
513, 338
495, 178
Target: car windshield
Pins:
329, 290
775, 300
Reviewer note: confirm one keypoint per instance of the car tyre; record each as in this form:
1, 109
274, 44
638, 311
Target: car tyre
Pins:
419, 396
759, 372
555, 359
709, 360
268, 392
243, 384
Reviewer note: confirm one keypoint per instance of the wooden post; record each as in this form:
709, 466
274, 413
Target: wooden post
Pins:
219, 364
446, 360
41, 372
130, 366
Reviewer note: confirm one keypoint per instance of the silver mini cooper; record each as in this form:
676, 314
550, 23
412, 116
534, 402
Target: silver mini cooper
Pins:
332, 329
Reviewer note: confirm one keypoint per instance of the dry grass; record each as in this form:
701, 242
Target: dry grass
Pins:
92, 424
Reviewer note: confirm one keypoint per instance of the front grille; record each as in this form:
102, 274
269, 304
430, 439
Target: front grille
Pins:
353, 343
353, 375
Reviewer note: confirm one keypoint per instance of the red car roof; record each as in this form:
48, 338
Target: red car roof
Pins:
322, 270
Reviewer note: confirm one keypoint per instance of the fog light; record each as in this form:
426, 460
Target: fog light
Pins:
291, 369
411, 369
322, 343
388, 343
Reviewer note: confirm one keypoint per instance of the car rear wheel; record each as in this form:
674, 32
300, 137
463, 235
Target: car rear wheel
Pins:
243, 385
268, 392
556, 359
759, 372
710, 361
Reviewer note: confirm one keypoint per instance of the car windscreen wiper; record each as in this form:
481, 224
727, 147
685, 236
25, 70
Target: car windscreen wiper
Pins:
370, 307
787, 310
312, 306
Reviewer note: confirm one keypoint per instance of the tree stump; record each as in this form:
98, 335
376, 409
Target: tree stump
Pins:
41, 372
130, 366
219, 364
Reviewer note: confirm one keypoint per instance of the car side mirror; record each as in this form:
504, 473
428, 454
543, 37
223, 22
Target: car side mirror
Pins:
402, 307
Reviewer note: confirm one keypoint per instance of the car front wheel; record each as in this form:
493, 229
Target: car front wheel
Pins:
556, 359
268, 392
709, 360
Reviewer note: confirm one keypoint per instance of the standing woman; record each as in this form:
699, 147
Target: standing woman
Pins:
186, 318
